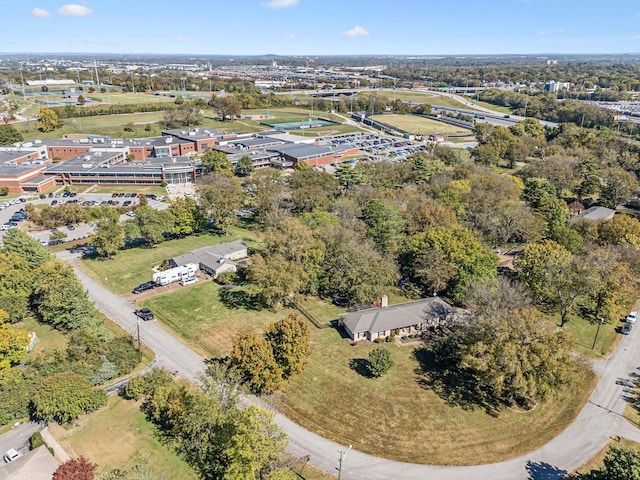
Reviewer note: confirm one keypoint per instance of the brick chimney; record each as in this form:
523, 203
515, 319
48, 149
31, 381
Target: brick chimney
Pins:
384, 301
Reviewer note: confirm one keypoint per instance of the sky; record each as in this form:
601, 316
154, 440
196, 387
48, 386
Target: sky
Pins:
321, 27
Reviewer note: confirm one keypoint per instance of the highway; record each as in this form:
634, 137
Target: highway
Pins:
601, 418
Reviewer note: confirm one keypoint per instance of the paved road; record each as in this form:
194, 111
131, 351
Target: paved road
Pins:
599, 420
18, 438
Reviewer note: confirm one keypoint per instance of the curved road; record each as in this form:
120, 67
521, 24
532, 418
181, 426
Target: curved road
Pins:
600, 419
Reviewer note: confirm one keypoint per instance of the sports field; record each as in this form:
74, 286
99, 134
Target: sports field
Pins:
422, 126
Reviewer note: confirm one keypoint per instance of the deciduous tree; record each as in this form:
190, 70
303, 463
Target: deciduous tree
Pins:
253, 356
290, 341
220, 199
64, 396
76, 469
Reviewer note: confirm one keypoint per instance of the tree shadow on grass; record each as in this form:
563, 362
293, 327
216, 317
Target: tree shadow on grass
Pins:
238, 298
544, 471
361, 367
455, 386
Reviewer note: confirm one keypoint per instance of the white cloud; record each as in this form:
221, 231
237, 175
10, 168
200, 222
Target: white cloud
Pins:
276, 4
40, 13
544, 32
637, 37
356, 31
74, 10
178, 37
100, 41
291, 36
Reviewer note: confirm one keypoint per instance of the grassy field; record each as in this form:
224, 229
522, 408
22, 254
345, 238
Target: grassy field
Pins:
129, 98
110, 125
585, 333
208, 317
421, 125
48, 337
118, 436
133, 266
395, 417
422, 97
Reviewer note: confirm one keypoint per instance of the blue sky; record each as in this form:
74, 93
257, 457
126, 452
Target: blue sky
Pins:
321, 27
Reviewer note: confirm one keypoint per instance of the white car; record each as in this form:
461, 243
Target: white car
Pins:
632, 317
10, 455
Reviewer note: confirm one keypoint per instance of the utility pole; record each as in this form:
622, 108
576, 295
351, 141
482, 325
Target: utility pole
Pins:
343, 455
597, 331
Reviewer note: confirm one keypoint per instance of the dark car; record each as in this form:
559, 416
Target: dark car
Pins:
43, 196
144, 287
70, 227
54, 202
626, 330
144, 313
126, 203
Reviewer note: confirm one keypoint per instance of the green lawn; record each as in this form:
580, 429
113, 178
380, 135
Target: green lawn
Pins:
133, 266
118, 436
395, 417
422, 126
48, 337
585, 333
208, 317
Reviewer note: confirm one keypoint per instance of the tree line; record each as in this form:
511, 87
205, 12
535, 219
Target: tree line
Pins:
58, 384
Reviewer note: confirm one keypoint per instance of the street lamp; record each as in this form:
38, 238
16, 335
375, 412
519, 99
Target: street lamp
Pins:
343, 455
597, 331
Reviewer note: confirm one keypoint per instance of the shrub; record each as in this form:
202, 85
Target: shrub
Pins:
36, 441
380, 361
380, 340
4, 191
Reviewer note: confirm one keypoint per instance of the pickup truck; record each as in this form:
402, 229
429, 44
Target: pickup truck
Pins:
144, 313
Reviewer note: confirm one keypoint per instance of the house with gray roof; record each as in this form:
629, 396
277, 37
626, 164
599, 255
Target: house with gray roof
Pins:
594, 214
400, 319
214, 259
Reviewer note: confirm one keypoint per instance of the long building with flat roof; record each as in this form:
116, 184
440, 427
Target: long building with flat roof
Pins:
113, 169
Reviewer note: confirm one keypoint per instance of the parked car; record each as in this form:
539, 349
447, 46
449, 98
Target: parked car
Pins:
144, 313
10, 455
42, 196
70, 227
626, 330
144, 287
54, 202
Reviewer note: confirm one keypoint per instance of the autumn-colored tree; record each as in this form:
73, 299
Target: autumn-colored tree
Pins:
253, 356
76, 469
13, 342
290, 342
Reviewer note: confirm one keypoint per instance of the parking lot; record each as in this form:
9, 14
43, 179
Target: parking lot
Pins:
73, 232
375, 146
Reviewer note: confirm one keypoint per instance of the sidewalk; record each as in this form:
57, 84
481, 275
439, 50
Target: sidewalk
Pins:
58, 452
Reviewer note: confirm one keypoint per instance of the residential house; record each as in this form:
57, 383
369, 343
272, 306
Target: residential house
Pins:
594, 214
401, 319
215, 259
